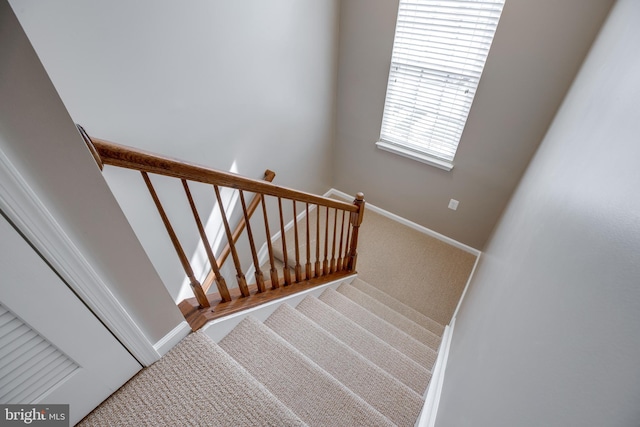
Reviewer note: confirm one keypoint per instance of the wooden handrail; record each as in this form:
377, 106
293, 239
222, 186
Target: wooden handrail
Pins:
131, 158
92, 148
338, 260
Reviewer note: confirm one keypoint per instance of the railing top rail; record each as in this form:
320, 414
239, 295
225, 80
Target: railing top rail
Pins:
133, 158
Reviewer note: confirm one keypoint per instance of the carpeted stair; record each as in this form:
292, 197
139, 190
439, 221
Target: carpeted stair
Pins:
394, 304
352, 357
375, 386
391, 316
178, 390
384, 330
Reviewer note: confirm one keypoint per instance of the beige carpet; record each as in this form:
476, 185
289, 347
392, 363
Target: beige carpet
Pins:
393, 336
398, 320
313, 394
179, 390
408, 312
399, 365
379, 389
421, 271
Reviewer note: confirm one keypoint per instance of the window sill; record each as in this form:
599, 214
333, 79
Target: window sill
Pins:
441, 164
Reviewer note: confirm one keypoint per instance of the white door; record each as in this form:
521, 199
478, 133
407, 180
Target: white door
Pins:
52, 348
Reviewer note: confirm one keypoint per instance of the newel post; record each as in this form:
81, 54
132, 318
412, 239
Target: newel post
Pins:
355, 219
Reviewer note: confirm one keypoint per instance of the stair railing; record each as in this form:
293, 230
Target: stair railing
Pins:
244, 223
339, 233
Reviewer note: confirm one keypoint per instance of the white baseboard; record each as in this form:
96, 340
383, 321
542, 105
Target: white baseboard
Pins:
466, 287
432, 397
219, 328
404, 221
429, 412
172, 338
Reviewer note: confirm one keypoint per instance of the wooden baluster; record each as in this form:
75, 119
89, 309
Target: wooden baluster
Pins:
355, 220
298, 268
201, 297
275, 282
325, 263
285, 270
254, 253
318, 271
224, 254
220, 282
242, 282
339, 263
308, 264
346, 248
333, 248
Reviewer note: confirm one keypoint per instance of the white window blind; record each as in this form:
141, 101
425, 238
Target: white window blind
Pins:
439, 51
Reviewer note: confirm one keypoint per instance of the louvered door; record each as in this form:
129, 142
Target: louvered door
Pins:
30, 364
52, 348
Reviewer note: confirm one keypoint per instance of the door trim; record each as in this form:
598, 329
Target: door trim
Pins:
23, 207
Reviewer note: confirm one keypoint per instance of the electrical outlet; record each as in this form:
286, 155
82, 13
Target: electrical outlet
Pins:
453, 204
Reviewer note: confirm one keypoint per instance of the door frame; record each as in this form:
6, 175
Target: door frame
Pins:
23, 207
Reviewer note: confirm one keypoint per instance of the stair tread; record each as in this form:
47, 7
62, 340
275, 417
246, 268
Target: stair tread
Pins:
388, 358
410, 327
214, 393
396, 305
310, 392
385, 393
384, 330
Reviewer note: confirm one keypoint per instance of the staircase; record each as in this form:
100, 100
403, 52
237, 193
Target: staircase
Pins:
351, 357
334, 235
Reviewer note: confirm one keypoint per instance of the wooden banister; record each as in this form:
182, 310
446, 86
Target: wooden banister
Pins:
317, 263
130, 158
252, 244
226, 251
220, 282
242, 282
307, 266
325, 262
286, 273
356, 220
195, 285
332, 260
332, 266
339, 264
298, 267
275, 283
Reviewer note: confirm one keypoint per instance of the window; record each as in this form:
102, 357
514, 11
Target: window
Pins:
439, 52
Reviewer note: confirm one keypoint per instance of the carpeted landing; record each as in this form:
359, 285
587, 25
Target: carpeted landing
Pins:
352, 357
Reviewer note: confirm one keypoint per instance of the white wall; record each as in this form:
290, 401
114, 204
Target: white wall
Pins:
40, 140
538, 48
249, 85
548, 332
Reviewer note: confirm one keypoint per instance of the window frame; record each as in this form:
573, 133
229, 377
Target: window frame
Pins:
452, 86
